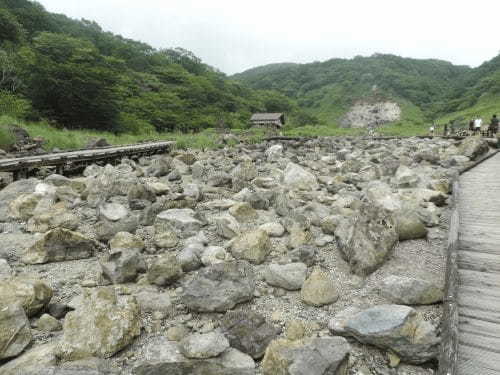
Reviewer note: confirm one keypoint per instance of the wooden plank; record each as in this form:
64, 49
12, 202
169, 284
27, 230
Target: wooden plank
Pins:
478, 261
471, 358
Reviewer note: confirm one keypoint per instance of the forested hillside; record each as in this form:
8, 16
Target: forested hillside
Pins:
76, 75
327, 89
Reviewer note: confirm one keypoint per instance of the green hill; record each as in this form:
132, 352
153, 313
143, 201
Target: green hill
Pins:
328, 89
77, 76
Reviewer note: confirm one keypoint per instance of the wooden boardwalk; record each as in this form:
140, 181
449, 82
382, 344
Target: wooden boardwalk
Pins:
478, 270
68, 159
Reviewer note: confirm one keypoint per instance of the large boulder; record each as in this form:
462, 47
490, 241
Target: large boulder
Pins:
57, 216
411, 291
319, 289
296, 177
101, 326
32, 294
249, 332
367, 238
220, 287
316, 356
397, 328
473, 147
15, 333
253, 246
288, 276
59, 245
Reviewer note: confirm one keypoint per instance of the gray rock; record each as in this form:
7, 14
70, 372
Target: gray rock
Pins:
101, 326
316, 356
273, 229
48, 323
203, 346
59, 245
12, 191
295, 177
253, 246
213, 255
5, 270
337, 324
113, 211
57, 216
106, 229
409, 226
190, 257
406, 178
304, 254
289, 276
165, 270
366, 239
473, 147
397, 328
243, 212
220, 287
411, 291
249, 332
151, 301
274, 153
41, 358
121, 265
227, 226
181, 220
15, 333
125, 240
26, 290
319, 289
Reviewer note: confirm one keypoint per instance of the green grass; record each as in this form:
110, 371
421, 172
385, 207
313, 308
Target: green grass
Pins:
323, 131
73, 139
6, 138
401, 129
485, 107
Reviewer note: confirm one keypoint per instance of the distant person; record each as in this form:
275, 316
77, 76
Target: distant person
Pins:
493, 128
452, 127
431, 130
445, 131
471, 126
478, 122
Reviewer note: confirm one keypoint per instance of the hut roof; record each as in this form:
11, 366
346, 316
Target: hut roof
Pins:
266, 116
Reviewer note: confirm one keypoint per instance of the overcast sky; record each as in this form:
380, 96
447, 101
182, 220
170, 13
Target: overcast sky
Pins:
234, 35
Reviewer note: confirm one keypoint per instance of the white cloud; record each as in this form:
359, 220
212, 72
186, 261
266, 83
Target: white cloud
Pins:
234, 35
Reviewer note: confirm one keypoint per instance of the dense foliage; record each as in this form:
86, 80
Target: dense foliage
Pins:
77, 76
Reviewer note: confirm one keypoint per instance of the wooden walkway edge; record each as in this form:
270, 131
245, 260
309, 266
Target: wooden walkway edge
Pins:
471, 309
69, 159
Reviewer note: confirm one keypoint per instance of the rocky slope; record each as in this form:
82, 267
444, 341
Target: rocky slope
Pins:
316, 257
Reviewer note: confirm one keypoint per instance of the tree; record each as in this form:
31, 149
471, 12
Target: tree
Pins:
72, 84
10, 29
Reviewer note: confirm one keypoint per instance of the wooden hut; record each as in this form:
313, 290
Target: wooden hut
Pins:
268, 120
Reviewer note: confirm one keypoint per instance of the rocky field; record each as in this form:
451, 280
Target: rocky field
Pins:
302, 258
